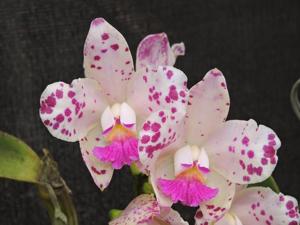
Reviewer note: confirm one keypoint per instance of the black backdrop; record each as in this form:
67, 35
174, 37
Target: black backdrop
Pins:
254, 43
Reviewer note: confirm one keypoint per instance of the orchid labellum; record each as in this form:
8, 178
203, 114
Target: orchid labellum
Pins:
144, 210
105, 110
257, 205
210, 155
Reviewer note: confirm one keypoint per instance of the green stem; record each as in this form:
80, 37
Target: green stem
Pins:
295, 99
55, 193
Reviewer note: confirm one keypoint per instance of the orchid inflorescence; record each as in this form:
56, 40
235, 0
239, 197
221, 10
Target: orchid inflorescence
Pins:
179, 137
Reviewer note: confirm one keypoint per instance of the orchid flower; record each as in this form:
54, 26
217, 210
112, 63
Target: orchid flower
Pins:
209, 156
105, 110
260, 206
144, 210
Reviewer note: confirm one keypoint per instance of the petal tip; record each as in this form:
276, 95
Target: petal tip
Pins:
97, 21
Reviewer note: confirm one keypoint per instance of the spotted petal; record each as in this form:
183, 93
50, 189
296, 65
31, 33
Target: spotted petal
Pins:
153, 90
159, 131
243, 152
154, 50
208, 107
70, 111
107, 59
214, 209
139, 212
262, 206
101, 172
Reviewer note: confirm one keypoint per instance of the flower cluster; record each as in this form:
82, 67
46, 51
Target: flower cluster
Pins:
177, 136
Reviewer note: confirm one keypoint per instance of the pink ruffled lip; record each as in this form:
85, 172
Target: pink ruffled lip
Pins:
118, 153
189, 191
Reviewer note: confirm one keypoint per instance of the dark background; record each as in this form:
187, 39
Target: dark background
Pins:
254, 43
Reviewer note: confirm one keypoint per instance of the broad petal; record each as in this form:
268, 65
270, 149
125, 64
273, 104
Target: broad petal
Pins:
159, 131
70, 111
107, 59
153, 90
207, 108
140, 211
262, 206
154, 50
214, 209
100, 172
243, 152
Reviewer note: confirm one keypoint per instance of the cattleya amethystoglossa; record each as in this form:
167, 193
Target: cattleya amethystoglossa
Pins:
105, 110
179, 137
210, 155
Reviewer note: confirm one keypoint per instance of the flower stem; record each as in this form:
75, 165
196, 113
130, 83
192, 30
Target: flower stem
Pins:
294, 96
55, 194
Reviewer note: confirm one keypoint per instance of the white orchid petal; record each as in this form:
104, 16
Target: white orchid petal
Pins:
261, 206
243, 152
107, 59
69, 111
107, 119
183, 159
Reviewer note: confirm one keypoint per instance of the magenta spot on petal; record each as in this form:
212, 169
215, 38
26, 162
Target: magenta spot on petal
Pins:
250, 154
289, 205
264, 161
104, 36
245, 141
182, 93
97, 57
59, 93
155, 137
68, 112
269, 151
246, 178
242, 164
169, 74
115, 47
50, 101
146, 126
173, 93
71, 94
55, 126
155, 127
145, 139
47, 122
59, 118
271, 136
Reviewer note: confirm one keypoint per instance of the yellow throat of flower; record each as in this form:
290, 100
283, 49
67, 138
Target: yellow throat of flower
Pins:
119, 133
193, 173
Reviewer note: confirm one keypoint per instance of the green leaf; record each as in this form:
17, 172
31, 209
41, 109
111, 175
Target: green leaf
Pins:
17, 160
269, 182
